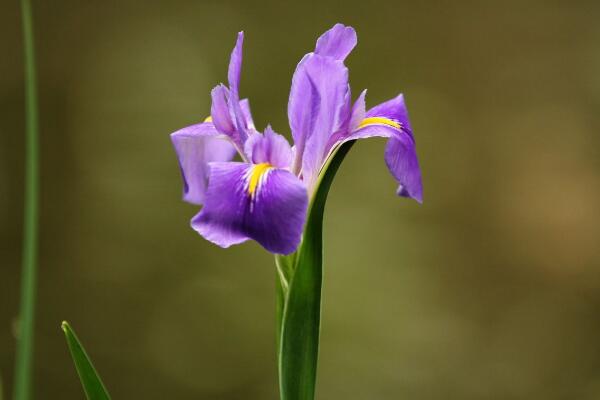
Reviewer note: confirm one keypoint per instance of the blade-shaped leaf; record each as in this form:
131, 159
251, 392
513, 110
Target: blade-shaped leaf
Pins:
300, 294
90, 380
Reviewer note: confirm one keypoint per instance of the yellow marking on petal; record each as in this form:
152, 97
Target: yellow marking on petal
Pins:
379, 121
208, 119
256, 173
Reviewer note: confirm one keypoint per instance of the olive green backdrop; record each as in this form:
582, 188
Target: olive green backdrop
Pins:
489, 290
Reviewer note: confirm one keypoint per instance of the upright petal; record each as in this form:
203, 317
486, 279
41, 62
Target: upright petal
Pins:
270, 148
330, 77
256, 202
235, 63
196, 146
245, 105
233, 76
357, 115
303, 109
358, 111
230, 115
337, 42
317, 109
219, 111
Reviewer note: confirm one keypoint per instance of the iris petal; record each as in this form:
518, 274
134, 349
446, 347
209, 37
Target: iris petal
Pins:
394, 109
230, 115
269, 148
272, 213
233, 76
401, 159
358, 111
235, 63
219, 111
318, 108
337, 42
196, 146
245, 105
390, 120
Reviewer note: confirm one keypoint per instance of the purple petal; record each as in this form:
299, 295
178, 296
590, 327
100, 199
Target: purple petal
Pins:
235, 64
387, 119
356, 116
245, 105
272, 210
271, 148
303, 107
318, 107
233, 76
337, 42
394, 109
401, 159
219, 111
196, 146
230, 115
358, 111
390, 120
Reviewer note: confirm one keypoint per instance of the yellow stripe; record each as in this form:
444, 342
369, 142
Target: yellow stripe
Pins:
379, 121
257, 172
208, 119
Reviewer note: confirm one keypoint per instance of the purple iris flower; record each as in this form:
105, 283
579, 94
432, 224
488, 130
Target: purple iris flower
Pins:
265, 196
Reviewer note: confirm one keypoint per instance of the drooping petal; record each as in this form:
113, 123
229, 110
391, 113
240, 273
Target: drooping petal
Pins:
196, 146
270, 148
394, 109
256, 202
401, 159
318, 107
383, 120
337, 42
390, 120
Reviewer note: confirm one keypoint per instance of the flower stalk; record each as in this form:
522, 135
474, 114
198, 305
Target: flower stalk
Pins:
24, 357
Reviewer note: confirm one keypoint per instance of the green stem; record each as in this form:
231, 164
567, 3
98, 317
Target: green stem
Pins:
24, 358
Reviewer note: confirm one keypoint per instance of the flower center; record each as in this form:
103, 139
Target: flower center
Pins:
256, 173
379, 121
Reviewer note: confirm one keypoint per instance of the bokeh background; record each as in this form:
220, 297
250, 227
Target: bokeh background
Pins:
489, 290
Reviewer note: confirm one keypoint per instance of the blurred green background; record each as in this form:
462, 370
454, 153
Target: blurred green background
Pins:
489, 290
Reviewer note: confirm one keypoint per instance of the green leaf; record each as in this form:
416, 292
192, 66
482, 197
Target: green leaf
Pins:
90, 380
299, 296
